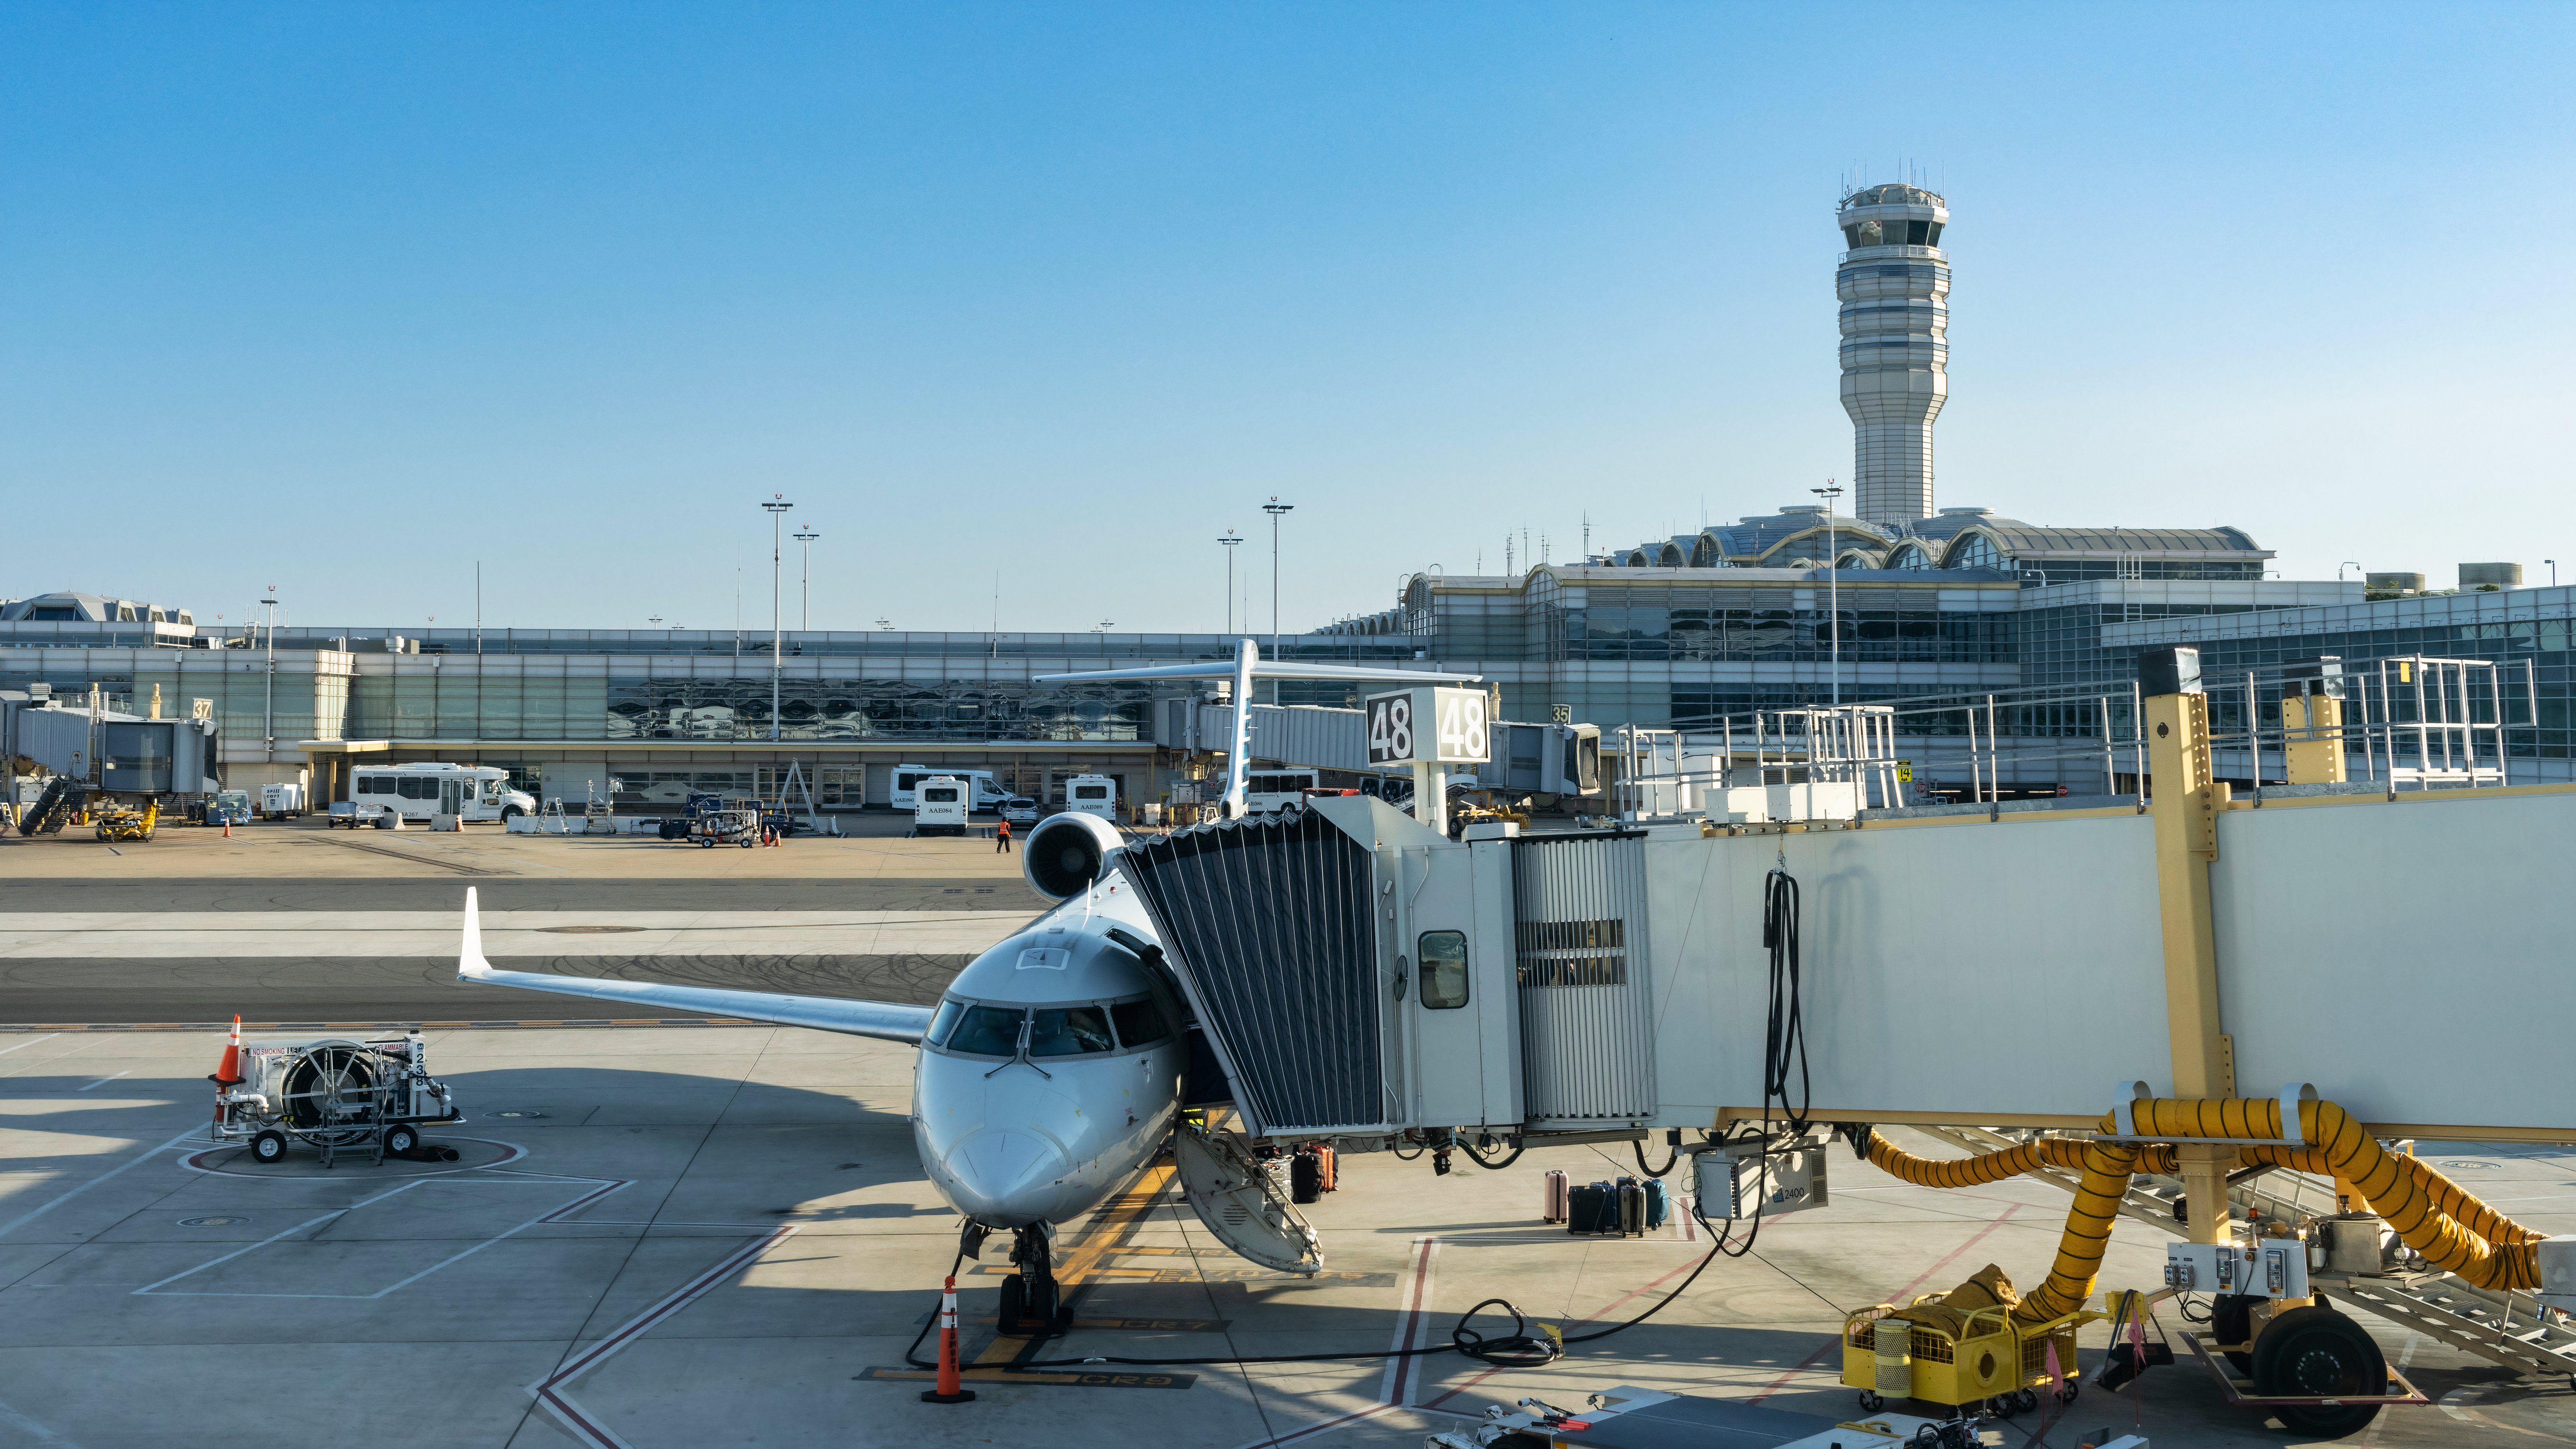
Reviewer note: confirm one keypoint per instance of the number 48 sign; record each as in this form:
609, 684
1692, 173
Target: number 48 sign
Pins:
1428, 725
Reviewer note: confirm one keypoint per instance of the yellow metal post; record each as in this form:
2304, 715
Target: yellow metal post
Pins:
2185, 806
2313, 726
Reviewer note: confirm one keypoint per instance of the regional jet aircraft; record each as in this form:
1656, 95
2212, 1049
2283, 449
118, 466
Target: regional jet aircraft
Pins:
1051, 1071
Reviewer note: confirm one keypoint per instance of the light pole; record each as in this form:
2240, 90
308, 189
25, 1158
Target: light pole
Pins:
805, 589
1833, 587
268, 710
1230, 541
1274, 508
777, 509
2553, 571
2350, 563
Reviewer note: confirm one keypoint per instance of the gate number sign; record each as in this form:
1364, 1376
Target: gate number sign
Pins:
1428, 725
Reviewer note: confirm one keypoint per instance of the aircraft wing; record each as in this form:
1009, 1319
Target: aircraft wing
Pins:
882, 1020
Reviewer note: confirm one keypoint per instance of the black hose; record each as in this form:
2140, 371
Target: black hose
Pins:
1478, 1158
1670, 1159
1786, 1033
909, 1348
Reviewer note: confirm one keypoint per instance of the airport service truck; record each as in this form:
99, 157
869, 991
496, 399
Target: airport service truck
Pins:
939, 806
985, 793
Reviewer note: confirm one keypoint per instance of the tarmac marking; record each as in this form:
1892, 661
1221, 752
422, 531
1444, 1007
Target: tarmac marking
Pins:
1836, 1342
33, 1430
103, 1081
578, 1421
48, 1036
603, 1188
135, 1161
1403, 1374
1595, 1316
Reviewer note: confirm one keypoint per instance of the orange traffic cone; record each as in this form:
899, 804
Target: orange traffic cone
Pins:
229, 1074
950, 1391
228, 827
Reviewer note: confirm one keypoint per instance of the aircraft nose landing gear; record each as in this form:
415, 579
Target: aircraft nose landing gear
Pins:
1031, 1305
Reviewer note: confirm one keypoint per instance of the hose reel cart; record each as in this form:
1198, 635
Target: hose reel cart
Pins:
331, 1095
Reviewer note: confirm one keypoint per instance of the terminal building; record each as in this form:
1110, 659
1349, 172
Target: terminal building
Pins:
1899, 600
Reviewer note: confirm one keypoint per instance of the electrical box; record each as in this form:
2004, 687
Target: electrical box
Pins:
1738, 1182
2260, 1268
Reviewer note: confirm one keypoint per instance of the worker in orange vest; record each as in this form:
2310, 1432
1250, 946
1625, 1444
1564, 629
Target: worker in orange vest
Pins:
1002, 838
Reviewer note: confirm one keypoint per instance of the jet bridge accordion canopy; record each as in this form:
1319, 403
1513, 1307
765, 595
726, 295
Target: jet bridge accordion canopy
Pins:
1266, 922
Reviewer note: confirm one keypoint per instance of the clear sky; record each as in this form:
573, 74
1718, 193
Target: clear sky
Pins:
346, 297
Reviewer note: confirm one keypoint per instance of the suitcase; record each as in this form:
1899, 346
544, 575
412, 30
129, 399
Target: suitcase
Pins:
1659, 1204
1305, 1179
1552, 1197
1592, 1208
1632, 1209
1328, 1169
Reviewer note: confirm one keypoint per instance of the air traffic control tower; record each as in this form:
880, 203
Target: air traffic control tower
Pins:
1894, 284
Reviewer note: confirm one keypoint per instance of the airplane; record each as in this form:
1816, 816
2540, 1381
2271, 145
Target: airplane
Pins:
1051, 1072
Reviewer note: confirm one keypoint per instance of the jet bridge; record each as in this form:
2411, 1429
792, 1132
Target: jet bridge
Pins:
2003, 966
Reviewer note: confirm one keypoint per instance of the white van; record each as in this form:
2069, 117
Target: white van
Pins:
418, 791
1092, 795
1268, 790
986, 793
939, 805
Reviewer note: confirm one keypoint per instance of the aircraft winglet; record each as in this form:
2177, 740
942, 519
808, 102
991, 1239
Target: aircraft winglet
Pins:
469, 956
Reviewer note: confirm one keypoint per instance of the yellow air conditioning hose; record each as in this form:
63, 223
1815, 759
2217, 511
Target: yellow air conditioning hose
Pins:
2446, 1195
2411, 1200
2105, 1166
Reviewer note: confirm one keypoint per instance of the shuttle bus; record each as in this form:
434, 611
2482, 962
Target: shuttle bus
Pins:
983, 791
939, 806
1092, 795
418, 791
1268, 790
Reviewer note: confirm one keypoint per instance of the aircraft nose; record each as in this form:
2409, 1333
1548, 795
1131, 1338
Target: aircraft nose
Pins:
1008, 1177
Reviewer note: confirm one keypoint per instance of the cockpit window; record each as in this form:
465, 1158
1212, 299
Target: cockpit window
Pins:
987, 1031
1069, 1031
1139, 1024
945, 1022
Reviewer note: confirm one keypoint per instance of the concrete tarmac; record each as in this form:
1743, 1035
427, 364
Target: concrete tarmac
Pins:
721, 1236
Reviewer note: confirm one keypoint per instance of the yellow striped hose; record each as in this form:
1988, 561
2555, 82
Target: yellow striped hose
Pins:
2105, 1168
2409, 1195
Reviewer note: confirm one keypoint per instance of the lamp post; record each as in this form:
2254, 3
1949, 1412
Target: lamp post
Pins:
2350, 563
805, 588
1275, 509
777, 510
1833, 587
268, 710
1230, 541
2553, 571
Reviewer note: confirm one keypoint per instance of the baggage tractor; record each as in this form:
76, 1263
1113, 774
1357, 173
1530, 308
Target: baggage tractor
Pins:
1592, 1209
1305, 1179
1659, 1204
1632, 1208
1552, 1196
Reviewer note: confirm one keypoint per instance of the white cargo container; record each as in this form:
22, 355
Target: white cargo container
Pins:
940, 805
281, 802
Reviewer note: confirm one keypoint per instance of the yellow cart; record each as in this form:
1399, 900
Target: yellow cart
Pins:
1987, 1361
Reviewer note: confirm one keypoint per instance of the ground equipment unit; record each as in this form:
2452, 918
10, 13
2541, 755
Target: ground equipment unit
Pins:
229, 807
333, 1095
116, 820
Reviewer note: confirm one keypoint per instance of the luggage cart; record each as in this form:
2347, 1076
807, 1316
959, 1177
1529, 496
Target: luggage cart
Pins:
332, 1095
1988, 1362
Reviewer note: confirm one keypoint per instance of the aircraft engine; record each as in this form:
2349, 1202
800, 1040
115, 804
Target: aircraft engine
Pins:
1064, 853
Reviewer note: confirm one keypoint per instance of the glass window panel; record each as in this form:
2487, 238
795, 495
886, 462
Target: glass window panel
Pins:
946, 1021
1069, 1031
988, 1031
1444, 969
1139, 1023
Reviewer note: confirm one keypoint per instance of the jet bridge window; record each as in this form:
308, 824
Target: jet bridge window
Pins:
1444, 969
1069, 1031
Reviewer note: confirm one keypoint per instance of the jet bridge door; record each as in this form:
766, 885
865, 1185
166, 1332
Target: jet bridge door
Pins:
1580, 952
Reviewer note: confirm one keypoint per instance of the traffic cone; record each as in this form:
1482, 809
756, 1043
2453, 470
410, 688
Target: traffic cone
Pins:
950, 1391
229, 1074
228, 827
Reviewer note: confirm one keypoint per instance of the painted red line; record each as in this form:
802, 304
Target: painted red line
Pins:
1837, 1342
584, 1201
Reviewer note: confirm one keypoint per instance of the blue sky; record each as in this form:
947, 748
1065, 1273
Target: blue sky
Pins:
347, 297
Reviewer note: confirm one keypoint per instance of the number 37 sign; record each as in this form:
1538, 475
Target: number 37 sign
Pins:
1428, 725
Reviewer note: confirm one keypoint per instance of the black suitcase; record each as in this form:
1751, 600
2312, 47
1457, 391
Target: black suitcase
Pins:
1632, 1208
1305, 1179
1592, 1208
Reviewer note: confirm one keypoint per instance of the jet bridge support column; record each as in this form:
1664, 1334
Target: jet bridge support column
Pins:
2185, 806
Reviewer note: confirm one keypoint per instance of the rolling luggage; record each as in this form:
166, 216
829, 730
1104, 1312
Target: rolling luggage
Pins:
1327, 1168
1632, 1209
1305, 1179
1659, 1204
1592, 1208
1552, 1197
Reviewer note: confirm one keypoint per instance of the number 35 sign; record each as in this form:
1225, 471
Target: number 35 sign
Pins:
1428, 725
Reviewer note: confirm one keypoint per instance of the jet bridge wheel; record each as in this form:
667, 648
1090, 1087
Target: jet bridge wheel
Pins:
2316, 1352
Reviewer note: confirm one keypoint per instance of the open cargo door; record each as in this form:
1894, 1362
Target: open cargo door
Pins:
1241, 1203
